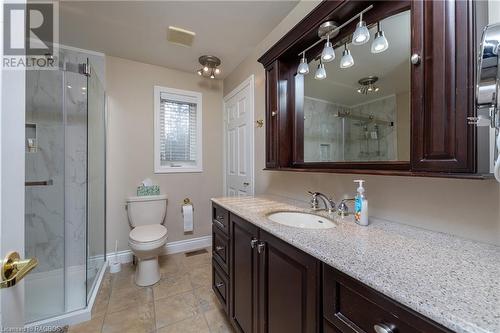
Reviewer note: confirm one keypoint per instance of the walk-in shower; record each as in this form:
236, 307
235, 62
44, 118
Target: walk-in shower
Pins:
65, 185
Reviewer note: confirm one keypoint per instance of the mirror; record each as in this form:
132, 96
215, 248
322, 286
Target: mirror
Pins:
360, 113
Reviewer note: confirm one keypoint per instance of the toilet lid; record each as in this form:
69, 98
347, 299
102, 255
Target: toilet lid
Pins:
148, 233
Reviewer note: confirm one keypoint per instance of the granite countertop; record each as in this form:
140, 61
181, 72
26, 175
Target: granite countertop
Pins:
453, 281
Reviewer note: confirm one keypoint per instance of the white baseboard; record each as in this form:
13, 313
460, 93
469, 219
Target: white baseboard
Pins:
192, 244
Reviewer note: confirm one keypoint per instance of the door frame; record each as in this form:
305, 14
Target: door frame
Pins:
250, 81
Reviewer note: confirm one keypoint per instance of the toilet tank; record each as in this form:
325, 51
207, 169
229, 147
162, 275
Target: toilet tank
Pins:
145, 210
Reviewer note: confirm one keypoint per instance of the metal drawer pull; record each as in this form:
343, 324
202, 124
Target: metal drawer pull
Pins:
220, 217
384, 328
220, 284
219, 223
219, 248
260, 247
253, 242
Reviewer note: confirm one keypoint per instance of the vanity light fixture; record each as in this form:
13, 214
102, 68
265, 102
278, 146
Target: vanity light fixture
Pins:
210, 66
361, 34
328, 53
303, 66
321, 71
380, 43
346, 61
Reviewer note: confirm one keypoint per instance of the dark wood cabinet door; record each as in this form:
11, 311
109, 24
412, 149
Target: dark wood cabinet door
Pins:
272, 115
243, 276
289, 284
443, 35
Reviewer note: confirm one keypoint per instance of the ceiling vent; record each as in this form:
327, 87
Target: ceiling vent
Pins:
180, 36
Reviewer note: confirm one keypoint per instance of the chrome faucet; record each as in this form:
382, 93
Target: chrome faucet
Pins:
327, 202
343, 209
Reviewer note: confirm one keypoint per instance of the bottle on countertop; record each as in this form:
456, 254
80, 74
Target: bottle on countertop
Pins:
361, 205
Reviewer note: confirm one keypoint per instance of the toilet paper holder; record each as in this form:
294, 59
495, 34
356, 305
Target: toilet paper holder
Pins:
187, 202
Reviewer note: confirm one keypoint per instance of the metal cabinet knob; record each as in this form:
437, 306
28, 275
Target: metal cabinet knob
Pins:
246, 183
261, 247
219, 248
220, 217
384, 328
273, 114
220, 284
415, 59
253, 242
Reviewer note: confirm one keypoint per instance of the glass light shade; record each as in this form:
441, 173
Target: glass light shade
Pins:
303, 67
380, 43
217, 71
205, 69
199, 72
361, 34
347, 60
328, 53
320, 72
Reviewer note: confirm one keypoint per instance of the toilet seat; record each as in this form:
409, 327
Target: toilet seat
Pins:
148, 233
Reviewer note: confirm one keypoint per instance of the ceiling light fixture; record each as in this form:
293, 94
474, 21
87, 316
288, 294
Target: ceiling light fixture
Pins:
367, 85
380, 43
320, 71
303, 65
328, 53
346, 61
210, 66
361, 34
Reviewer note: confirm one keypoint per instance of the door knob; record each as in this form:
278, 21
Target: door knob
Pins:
14, 269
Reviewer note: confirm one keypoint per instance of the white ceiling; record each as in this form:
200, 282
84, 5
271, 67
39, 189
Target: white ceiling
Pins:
392, 67
137, 30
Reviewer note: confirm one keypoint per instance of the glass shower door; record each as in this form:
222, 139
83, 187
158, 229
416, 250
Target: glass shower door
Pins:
96, 209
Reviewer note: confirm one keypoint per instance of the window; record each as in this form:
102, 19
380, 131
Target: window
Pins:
178, 136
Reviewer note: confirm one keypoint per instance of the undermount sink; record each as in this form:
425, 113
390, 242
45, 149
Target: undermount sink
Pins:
301, 220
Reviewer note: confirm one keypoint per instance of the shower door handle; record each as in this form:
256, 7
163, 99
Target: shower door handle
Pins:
13, 269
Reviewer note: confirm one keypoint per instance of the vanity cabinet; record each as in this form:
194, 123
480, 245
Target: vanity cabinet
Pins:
274, 286
267, 285
437, 140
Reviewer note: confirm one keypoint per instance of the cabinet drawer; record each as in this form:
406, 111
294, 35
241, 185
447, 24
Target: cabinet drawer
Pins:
354, 307
220, 218
220, 248
220, 285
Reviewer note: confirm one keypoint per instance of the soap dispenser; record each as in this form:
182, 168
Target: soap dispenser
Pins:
360, 205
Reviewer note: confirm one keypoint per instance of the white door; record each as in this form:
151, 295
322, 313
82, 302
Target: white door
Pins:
12, 128
238, 147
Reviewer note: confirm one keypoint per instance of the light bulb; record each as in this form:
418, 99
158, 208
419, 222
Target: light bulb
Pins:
205, 69
347, 60
303, 66
361, 34
200, 72
320, 72
380, 43
328, 53
217, 71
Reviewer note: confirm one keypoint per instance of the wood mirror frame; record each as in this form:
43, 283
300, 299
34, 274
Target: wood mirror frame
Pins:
443, 34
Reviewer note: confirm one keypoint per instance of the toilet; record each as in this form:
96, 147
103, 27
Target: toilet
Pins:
148, 235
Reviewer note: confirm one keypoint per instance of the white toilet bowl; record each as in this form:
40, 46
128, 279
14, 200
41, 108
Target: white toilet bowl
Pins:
148, 235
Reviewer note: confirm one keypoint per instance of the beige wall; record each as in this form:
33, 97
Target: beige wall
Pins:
130, 147
466, 208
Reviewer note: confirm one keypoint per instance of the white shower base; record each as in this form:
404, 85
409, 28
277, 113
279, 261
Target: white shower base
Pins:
48, 304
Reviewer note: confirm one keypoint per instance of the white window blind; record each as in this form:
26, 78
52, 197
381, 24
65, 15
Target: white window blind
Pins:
178, 137
177, 130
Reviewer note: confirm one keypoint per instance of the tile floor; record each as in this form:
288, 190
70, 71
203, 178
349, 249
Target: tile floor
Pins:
182, 301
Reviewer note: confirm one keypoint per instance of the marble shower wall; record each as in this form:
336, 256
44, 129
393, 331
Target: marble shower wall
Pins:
328, 137
55, 215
